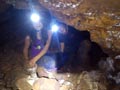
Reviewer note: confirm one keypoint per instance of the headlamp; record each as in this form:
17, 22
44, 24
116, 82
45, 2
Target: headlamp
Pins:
54, 28
35, 17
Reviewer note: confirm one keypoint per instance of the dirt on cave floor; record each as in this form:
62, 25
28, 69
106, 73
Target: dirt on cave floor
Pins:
12, 67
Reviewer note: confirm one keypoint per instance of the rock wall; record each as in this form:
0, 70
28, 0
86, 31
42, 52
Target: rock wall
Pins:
101, 18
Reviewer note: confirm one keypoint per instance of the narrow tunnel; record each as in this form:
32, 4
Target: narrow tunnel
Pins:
84, 65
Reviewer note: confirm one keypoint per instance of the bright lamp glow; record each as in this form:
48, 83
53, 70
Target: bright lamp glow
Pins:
35, 17
54, 28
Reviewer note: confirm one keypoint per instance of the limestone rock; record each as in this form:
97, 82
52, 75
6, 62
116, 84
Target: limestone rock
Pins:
22, 84
91, 81
46, 84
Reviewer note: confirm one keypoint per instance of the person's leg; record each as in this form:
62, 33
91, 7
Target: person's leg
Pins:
45, 65
41, 72
47, 62
62, 59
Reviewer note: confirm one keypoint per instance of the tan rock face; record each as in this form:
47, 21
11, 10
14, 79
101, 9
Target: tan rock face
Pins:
108, 38
100, 17
45, 84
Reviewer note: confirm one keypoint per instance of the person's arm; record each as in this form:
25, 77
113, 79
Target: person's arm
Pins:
44, 50
26, 47
62, 42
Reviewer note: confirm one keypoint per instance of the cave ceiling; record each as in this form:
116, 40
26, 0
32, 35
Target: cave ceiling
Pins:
82, 14
100, 17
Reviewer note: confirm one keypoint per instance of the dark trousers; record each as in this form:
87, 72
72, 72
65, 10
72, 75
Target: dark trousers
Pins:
62, 59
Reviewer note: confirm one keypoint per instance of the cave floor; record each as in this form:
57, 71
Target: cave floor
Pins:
13, 76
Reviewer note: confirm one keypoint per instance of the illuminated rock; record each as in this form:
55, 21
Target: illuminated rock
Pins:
22, 84
46, 84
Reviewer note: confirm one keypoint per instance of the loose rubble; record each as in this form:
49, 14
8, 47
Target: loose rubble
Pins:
13, 76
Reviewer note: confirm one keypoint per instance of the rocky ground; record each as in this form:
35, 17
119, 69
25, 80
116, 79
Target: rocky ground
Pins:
13, 75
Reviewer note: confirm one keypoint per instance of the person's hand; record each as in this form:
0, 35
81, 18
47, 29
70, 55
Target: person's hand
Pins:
31, 63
